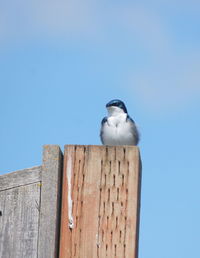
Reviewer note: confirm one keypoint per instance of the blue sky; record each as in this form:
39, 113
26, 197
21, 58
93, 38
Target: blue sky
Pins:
62, 61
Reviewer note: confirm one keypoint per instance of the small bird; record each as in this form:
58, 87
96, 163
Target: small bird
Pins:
118, 128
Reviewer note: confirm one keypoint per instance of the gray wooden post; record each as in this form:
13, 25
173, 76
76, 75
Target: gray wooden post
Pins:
50, 202
19, 213
30, 209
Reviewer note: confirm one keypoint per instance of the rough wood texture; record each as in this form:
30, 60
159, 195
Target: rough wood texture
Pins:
50, 202
30, 209
19, 219
106, 199
21, 177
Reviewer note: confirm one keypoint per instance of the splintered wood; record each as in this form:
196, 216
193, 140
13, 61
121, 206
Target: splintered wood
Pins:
105, 194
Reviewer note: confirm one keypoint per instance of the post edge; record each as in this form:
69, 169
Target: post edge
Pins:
50, 202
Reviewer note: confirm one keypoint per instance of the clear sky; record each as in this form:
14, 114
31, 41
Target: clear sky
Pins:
62, 61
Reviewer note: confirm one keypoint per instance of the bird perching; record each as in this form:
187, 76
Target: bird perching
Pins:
118, 128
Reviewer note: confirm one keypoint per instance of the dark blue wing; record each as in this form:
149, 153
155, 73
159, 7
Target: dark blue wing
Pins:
104, 120
129, 118
135, 131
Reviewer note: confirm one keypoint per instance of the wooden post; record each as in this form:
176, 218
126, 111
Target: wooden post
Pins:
104, 186
19, 213
30, 201
49, 222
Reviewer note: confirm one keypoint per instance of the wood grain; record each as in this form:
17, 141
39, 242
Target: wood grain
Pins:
50, 202
19, 220
106, 194
30, 202
21, 177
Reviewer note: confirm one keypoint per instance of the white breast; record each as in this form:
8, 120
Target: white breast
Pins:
118, 131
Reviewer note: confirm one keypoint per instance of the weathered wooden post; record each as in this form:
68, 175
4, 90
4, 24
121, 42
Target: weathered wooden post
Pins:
51, 185
30, 209
100, 205
100, 202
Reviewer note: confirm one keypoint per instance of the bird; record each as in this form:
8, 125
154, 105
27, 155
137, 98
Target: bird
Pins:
118, 128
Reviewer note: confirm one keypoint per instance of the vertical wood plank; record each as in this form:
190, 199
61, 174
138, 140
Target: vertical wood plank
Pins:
50, 202
133, 206
65, 239
90, 201
19, 221
79, 242
105, 192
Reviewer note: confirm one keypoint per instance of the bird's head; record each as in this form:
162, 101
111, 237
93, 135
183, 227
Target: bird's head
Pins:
116, 107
